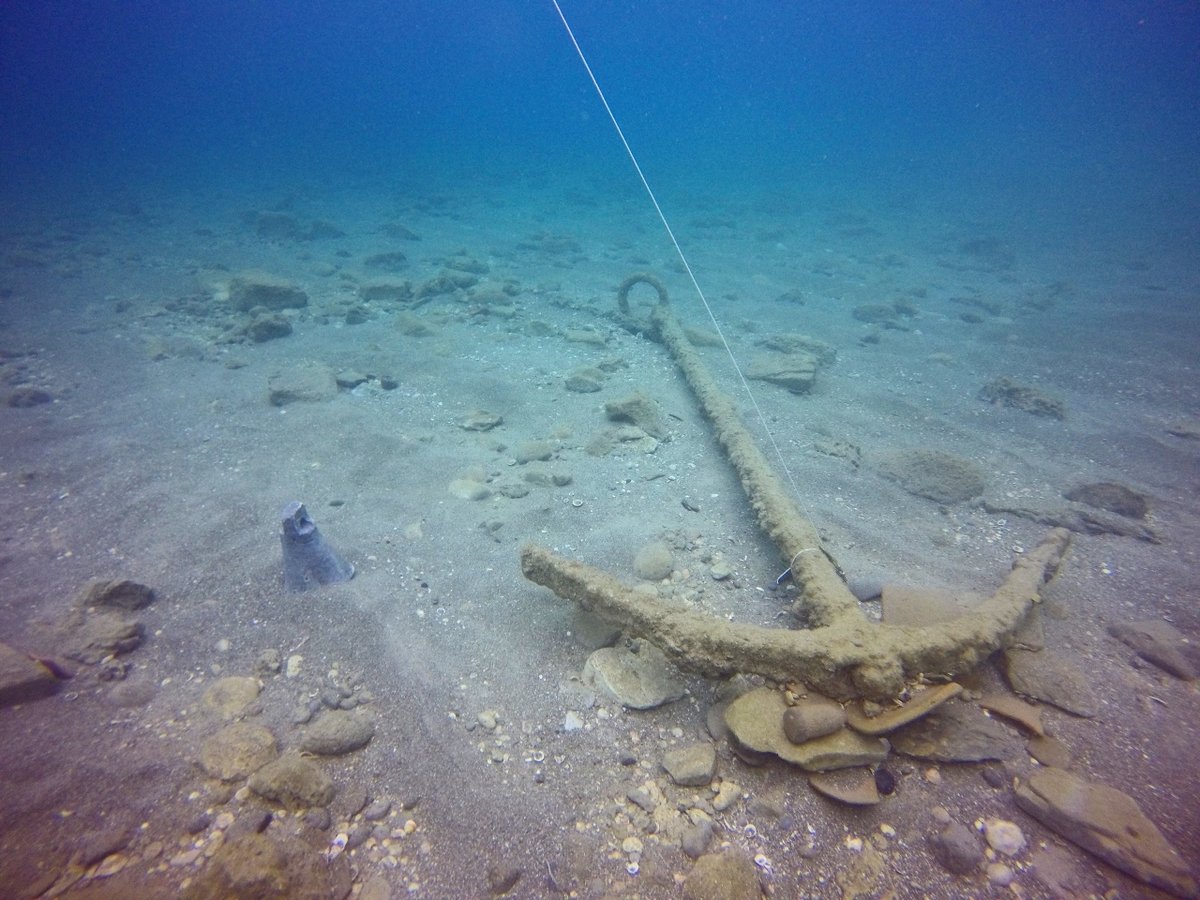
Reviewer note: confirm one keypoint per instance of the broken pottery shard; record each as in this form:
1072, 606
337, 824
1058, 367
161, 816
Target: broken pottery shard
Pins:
1108, 823
755, 722
857, 789
921, 704
1015, 710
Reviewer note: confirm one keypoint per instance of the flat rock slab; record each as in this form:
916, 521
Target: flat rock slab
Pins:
1048, 677
1108, 823
22, 679
957, 732
1157, 642
636, 675
755, 722
922, 703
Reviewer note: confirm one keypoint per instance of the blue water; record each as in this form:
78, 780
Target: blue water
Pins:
1073, 110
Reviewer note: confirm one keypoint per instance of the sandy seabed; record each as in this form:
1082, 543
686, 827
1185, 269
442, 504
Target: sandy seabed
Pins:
161, 458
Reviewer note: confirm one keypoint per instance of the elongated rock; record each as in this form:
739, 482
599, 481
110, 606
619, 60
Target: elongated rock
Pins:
1108, 823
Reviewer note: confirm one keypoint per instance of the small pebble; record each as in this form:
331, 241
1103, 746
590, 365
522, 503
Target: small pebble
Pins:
377, 810
1004, 836
999, 874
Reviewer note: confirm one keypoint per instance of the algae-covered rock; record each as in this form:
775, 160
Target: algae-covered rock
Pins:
294, 782
237, 751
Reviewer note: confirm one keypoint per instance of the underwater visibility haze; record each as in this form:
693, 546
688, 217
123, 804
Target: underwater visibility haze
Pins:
390, 506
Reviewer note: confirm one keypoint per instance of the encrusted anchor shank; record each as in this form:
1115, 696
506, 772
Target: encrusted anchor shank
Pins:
853, 658
843, 655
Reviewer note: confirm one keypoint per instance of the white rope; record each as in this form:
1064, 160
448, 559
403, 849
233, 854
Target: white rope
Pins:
679, 250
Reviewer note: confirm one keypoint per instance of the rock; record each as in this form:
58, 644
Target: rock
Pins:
269, 868
237, 751
957, 848
304, 383
256, 289
921, 704
267, 327
386, 291
730, 875
796, 372
390, 262
638, 409
637, 675
695, 840
502, 878
480, 420
937, 476
377, 810
654, 562
96, 634
1006, 392
469, 488
115, 593
1025, 714
338, 731
585, 381
755, 722
95, 845
792, 342
852, 789
1158, 642
22, 679
26, 396
812, 718
1114, 498
1107, 823
293, 781
1049, 751
231, 697
531, 451
956, 732
1046, 676
691, 766
1003, 836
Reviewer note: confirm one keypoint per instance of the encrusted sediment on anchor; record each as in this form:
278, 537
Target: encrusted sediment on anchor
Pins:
843, 655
